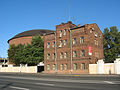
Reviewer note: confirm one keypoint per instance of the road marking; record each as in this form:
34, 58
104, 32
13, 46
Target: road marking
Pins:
19, 88
76, 75
109, 82
63, 80
47, 84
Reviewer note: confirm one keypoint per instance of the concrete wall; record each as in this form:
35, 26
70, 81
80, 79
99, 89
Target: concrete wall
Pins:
28, 69
105, 68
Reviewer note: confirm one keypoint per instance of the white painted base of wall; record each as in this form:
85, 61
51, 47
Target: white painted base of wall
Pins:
105, 68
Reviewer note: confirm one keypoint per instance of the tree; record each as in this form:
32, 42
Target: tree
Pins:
14, 53
111, 43
37, 48
30, 54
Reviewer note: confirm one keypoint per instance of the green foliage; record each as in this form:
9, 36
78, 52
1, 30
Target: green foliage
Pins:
14, 53
30, 54
111, 43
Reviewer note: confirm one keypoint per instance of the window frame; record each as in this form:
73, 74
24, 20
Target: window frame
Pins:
54, 67
48, 44
61, 66
74, 53
82, 40
53, 44
61, 42
65, 32
66, 67
48, 56
65, 42
61, 55
82, 66
60, 33
48, 67
74, 41
53, 56
82, 53
65, 55
75, 66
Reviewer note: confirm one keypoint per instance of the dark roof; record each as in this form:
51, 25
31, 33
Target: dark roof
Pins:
77, 27
32, 33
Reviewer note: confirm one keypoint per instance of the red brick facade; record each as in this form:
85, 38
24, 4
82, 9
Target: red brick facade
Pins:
82, 37
57, 51
21, 40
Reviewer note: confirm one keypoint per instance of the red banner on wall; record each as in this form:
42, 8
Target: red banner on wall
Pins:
90, 50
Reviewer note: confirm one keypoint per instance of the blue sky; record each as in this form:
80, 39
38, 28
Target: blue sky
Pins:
17, 16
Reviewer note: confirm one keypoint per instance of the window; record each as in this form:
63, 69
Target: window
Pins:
95, 33
65, 31
75, 66
65, 55
82, 53
61, 55
60, 33
74, 41
53, 56
74, 54
65, 66
48, 45
82, 66
90, 31
61, 66
65, 42
48, 56
53, 44
60, 43
96, 42
100, 36
48, 67
81, 40
96, 54
54, 67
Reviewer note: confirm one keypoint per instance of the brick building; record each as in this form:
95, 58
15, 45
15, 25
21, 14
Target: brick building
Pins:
26, 36
69, 49
72, 48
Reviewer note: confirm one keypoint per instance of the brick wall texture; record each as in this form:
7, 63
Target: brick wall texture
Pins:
80, 64
57, 59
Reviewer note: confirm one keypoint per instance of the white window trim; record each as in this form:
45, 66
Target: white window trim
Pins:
65, 42
65, 32
60, 33
74, 41
74, 53
48, 44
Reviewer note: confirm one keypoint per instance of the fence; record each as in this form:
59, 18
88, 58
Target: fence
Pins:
20, 69
105, 68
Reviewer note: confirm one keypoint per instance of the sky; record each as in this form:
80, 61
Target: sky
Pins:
17, 16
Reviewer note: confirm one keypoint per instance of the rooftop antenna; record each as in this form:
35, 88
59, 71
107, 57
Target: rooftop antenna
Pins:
73, 19
69, 8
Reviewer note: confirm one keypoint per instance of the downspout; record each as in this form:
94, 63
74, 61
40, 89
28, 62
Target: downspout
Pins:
70, 51
55, 53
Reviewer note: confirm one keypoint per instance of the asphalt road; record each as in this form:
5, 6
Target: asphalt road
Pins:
9, 81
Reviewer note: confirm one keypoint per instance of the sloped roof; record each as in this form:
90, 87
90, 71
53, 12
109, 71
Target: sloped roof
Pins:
32, 33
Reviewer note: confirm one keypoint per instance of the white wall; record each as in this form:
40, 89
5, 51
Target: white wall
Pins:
26, 69
105, 68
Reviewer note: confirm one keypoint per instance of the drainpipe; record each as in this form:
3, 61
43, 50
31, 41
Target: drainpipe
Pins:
70, 51
55, 53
